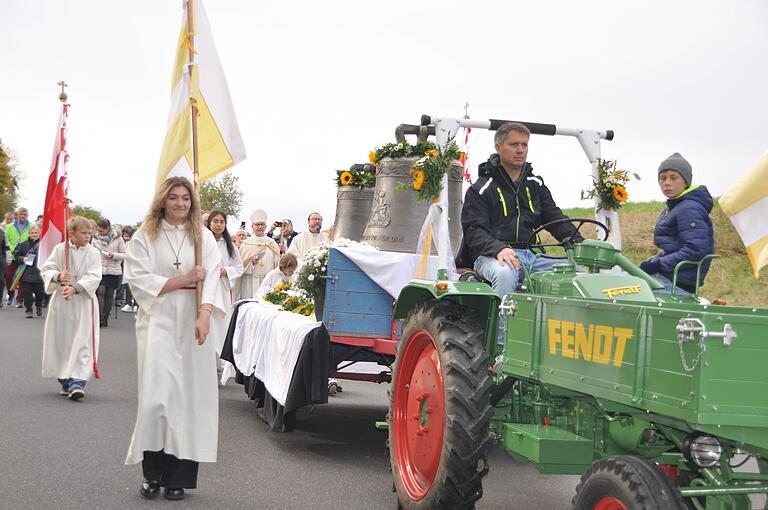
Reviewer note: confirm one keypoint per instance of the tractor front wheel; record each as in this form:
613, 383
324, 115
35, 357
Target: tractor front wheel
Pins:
439, 409
625, 483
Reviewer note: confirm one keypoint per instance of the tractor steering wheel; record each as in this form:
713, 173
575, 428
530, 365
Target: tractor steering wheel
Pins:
566, 243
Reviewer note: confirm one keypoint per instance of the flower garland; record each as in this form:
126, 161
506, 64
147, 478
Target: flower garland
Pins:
290, 300
399, 150
314, 267
356, 177
429, 170
610, 186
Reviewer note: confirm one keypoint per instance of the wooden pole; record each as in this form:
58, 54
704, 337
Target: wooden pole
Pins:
195, 164
63, 99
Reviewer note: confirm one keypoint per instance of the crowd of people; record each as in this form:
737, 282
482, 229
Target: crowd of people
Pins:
152, 271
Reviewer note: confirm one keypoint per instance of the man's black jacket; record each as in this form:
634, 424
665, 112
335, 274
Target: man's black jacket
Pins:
498, 212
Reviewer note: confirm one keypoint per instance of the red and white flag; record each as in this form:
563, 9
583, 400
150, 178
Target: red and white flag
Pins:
56, 208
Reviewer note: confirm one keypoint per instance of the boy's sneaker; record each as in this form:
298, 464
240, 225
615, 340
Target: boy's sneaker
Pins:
29, 314
76, 393
19, 305
10, 301
64, 389
127, 309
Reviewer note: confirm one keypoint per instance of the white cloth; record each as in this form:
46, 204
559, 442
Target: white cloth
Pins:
233, 265
304, 242
266, 344
178, 393
260, 255
390, 270
72, 327
272, 279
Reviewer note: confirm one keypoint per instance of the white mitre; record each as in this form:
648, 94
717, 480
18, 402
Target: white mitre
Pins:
259, 215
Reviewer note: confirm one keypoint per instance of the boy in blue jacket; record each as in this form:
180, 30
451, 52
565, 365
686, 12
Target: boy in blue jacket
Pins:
684, 229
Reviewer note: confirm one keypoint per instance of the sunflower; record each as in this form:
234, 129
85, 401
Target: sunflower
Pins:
372, 157
620, 194
432, 153
418, 179
345, 178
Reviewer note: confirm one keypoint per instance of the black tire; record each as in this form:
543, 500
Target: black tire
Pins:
634, 482
458, 341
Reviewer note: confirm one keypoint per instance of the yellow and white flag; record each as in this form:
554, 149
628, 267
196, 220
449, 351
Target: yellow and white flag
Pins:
220, 145
746, 205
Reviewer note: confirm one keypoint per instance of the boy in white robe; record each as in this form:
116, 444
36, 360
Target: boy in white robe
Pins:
284, 271
178, 410
71, 337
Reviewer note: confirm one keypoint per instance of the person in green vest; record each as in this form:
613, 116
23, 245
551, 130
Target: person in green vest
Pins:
15, 233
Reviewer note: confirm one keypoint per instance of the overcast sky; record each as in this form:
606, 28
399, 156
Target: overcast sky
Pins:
316, 85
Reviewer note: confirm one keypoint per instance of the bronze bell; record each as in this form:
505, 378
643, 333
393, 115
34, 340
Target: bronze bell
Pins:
396, 217
353, 204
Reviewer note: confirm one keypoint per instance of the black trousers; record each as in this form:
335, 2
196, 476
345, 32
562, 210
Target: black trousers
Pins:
31, 288
171, 471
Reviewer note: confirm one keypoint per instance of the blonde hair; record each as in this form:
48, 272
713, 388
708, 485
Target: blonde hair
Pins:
288, 261
153, 222
76, 223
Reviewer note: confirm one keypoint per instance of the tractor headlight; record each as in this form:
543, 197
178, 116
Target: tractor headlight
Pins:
703, 450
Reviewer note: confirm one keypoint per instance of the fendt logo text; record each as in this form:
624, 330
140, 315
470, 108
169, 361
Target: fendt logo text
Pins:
595, 343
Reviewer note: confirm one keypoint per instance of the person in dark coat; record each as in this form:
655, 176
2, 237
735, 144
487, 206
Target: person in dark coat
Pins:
503, 208
31, 281
3, 252
684, 229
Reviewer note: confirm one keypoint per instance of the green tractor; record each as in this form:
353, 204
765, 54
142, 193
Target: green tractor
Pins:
654, 400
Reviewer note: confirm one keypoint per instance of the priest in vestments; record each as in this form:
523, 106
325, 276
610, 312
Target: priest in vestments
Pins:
312, 238
260, 255
71, 337
177, 422
229, 275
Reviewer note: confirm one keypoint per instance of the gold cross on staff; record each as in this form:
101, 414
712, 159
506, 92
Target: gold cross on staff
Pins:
466, 110
63, 95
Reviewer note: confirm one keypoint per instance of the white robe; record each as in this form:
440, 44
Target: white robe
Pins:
233, 265
72, 327
305, 241
272, 279
255, 270
178, 393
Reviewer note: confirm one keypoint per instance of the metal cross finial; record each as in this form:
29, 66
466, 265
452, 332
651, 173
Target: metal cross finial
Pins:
63, 95
466, 110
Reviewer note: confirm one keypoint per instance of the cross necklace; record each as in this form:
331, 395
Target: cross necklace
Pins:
174, 250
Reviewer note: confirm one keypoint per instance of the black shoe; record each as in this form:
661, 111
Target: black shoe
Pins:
174, 494
39, 311
150, 489
29, 314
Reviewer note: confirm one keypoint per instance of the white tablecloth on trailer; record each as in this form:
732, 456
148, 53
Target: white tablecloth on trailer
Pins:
266, 344
389, 269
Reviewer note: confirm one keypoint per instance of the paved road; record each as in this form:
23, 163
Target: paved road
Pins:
59, 454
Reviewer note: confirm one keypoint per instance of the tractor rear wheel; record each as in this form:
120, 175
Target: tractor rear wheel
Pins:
439, 415
625, 483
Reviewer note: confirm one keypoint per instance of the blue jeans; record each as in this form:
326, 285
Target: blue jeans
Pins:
505, 279
72, 383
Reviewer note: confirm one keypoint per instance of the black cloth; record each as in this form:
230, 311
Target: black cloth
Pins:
309, 382
171, 471
32, 273
106, 298
111, 281
498, 212
33, 293
3, 252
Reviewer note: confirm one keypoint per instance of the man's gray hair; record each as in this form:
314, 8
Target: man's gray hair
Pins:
504, 129
22, 209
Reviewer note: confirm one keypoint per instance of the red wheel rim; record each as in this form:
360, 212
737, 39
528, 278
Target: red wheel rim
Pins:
610, 503
418, 414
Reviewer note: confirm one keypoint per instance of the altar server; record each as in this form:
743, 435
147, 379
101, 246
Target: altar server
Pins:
71, 337
178, 414
229, 274
260, 255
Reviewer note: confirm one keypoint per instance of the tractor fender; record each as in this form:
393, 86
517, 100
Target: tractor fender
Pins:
477, 296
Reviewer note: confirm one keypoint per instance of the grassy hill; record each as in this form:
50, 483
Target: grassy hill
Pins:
730, 277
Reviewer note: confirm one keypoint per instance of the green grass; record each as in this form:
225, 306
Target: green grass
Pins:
730, 277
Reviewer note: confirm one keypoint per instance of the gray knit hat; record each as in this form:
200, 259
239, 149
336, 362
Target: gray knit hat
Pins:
680, 165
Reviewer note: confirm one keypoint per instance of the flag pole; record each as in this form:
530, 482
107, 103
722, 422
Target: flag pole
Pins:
63, 99
195, 164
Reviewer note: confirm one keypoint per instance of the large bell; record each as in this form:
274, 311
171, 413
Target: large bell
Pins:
396, 217
353, 204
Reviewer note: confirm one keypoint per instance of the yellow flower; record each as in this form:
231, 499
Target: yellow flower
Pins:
372, 157
345, 179
418, 179
620, 194
432, 153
